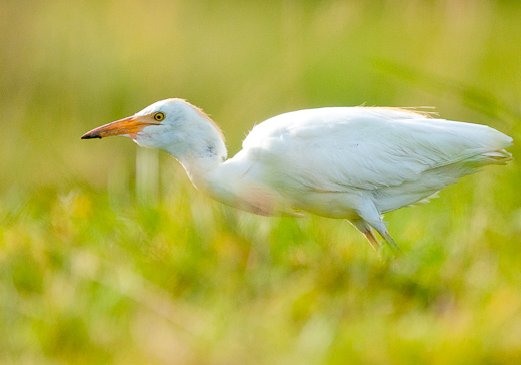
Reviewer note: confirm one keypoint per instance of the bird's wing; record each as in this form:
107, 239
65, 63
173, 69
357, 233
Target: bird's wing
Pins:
340, 149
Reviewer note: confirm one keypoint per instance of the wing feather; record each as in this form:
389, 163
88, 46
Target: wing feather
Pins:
341, 149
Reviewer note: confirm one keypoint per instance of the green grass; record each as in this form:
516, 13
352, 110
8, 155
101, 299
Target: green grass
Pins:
87, 279
105, 258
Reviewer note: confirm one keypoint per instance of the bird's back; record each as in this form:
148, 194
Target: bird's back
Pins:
393, 156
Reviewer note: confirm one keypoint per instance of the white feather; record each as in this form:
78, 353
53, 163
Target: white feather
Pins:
396, 157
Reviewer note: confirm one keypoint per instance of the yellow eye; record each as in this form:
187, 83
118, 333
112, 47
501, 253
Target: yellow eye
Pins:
159, 116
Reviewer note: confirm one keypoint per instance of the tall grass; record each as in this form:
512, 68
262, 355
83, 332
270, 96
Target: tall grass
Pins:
108, 255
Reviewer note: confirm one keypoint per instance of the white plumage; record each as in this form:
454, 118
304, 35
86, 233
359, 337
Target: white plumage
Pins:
341, 162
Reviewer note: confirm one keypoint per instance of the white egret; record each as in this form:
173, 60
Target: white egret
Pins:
355, 163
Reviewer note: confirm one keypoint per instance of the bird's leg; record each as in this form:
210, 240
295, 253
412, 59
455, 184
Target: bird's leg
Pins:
372, 239
382, 230
367, 232
387, 237
370, 216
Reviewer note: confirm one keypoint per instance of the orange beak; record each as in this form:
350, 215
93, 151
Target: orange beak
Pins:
127, 126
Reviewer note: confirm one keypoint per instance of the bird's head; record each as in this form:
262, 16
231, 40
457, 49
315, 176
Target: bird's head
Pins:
173, 125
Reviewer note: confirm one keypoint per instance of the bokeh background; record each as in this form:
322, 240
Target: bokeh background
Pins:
108, 255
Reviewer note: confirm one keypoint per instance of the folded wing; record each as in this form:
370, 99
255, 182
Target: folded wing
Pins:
365, 148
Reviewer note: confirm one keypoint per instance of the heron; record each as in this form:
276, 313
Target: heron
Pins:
354, 163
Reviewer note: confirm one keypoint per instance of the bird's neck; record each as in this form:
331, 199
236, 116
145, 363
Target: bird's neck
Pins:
201, 149
225, 182
200, 169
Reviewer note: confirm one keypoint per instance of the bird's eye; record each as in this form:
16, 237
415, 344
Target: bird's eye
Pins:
159, 116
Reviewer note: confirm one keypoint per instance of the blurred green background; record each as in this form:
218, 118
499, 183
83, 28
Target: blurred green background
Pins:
108, 255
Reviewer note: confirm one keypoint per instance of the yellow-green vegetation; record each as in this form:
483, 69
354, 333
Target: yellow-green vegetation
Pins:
108, 255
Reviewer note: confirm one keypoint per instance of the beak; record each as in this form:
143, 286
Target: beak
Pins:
129, 126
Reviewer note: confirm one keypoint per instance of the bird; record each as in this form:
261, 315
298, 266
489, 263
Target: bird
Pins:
355, 163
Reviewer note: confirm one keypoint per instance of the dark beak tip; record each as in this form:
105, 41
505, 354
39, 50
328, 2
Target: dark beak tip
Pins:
90, 136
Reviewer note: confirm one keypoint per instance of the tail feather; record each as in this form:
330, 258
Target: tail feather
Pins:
491, 148
498, 157
494, 157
